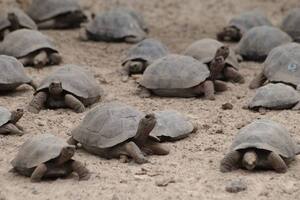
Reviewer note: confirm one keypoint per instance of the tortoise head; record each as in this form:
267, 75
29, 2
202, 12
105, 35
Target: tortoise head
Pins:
145, 127
230, 33
216, 67
66, 154
222, 51
137, 67
14, 21
55, 88
249, 160
16, 115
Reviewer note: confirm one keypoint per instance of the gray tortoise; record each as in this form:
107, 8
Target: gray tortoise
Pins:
240, 24
182, 76
30, 47
8, 121
69, 86
13, 19
142, 55
256, 44
116, 130
56, 14
47, 156
275, 96
291, 24
12, 74
116, 25
171, 126
205, 49
262, 144
282, 65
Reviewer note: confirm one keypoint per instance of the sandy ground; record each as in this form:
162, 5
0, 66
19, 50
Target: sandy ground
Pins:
193, 163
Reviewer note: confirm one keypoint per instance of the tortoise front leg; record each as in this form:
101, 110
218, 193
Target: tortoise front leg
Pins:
144, 92
49, 24
220, 86
124, 159
81, 170
125, 73
38, 173
74, 103
209, 91
132, 150
258, 81
37, 102
10, 128
230, 162
277, 163
232, 74
41, 59
55, 58
155, 148
33, 84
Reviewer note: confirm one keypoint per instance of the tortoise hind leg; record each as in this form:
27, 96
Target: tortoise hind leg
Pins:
81, 170
277, 163
74, 103
10, 129
258, 81
232, 74
230, 162
38, 173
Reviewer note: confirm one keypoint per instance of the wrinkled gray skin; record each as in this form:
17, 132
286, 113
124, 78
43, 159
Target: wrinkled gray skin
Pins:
282, 65
275, 96
47, 156
13, 19
141, 55
116, 25
30, 47
70, 86
290, 24
171, 126
263, 144
56, 14
12, 74
240, 24
116, 130
256, 44
8, 121
164, 77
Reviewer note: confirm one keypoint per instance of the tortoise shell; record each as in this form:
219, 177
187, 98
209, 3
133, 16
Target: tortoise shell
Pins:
5, 115
290, 24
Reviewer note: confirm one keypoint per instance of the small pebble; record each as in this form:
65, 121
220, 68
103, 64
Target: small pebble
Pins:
227, 106
236, 186
164, 182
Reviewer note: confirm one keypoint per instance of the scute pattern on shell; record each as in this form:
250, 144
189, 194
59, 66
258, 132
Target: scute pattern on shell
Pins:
41, 10
22, 42
75, 80
24, 20
115, 24
250, 19
205, 49
267, 135
107, 125
12, 71
283, 64
171, 123
37, 150
275, 96
259, 41
147, 50
174, 72
5, 115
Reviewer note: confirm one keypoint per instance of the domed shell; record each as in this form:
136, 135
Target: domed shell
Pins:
115, 24
37, 150
247, 20
267, 135
283, 64
291, 24
5, 115
75, 80
171, 125
12, 71
40, 10
204, 50
277, 96
174, 72
259, 41
108, 125
24, 20
147, 50
22, 42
